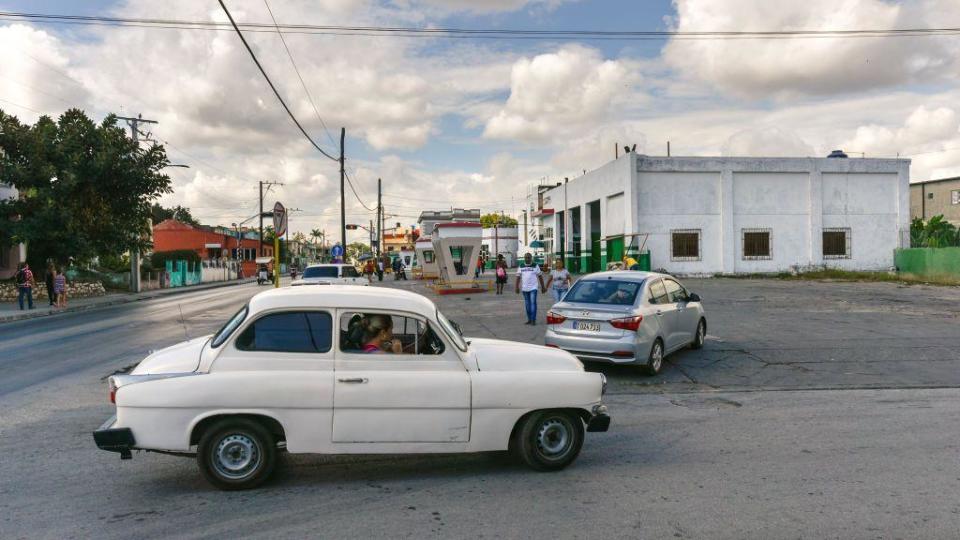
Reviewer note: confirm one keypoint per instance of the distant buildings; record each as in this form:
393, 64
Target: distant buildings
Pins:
706, 215
210, 242
936, 197
399, 239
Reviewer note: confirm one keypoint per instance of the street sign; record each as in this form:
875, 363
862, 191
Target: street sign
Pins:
279, 219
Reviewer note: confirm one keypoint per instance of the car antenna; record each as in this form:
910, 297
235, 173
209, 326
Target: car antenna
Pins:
182, 323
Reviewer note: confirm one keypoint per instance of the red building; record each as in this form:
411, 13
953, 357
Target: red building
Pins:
209, 243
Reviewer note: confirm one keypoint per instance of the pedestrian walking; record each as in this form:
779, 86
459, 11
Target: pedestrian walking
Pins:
529, 277
25, 284
501, 271
49, 278
60, 288
379, 269
368, 270
559, 281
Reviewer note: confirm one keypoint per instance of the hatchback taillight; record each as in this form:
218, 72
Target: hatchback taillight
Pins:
555, 318
627, 323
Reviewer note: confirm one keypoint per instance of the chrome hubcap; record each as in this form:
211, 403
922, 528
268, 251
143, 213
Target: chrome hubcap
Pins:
236, 456
553, 439
657, 356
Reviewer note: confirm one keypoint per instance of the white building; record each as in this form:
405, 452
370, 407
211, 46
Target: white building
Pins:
502, 241
707, 215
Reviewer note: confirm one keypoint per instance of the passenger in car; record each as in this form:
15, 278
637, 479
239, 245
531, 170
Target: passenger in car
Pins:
377, 335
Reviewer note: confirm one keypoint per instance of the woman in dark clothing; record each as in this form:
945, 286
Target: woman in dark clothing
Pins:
51, 274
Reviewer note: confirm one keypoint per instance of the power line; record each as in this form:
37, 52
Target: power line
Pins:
472, 33
21, 106
272, 87
354, 190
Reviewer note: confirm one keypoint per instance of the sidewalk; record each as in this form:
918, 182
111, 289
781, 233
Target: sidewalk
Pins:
10, 311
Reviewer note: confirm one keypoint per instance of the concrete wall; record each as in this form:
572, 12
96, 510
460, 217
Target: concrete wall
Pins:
507, 242
929, 199
794, 198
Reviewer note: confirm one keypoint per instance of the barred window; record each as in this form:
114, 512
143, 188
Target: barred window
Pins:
757, 244
836, 243
685, 245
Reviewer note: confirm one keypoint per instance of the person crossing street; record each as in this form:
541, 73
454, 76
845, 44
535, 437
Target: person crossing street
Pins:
530, 280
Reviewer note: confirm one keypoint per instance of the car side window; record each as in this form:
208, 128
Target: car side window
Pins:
675, 291
381, 333
658, 293
349, 271
292, 331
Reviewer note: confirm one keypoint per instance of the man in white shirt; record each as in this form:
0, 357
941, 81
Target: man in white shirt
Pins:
528, 276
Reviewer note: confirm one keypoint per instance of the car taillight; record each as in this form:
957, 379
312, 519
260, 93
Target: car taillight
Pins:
627, 323
113, 390
555, 318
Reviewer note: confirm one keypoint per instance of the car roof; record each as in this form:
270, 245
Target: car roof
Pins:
624, 275
343, 296
320, 265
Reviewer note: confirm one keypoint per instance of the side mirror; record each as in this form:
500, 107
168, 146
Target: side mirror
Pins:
693, 297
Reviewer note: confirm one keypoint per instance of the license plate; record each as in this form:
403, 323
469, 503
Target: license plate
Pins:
588, 326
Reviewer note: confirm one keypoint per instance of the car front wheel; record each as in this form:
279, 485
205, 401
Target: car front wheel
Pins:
236, 454
549, 440
700, 336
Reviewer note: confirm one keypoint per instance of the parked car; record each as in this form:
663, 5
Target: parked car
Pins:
330, 274
627, 317
291, 372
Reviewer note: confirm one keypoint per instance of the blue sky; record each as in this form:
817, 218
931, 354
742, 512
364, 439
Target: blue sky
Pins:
473, 122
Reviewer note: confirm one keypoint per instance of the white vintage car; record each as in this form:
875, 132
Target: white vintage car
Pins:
350, 370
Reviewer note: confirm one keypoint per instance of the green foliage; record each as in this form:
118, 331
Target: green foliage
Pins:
85, 189
487, 221
159, 258
179, 213
115, 263
355, 250
936, 232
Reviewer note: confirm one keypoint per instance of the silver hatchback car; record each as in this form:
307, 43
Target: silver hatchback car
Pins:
627, 317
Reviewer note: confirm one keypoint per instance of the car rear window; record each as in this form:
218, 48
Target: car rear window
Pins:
320, 271
605, 291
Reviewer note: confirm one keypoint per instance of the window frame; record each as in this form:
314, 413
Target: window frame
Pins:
954, 197
743, 244
848, 241
279, 311
685, 296
345, 354
683, 258
652, 297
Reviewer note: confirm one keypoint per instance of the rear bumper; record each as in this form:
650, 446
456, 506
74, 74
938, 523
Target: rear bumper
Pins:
600, 420
615, 351
114, 439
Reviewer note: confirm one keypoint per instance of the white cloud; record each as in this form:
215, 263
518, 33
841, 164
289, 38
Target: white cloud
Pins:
559, 93
767, 141
783, 67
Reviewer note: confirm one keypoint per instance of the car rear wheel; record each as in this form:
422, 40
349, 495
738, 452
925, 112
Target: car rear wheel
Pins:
236, 454
549, 440
655, 360
700, 336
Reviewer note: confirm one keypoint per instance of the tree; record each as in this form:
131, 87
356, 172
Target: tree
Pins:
355, 250
487, 221
179, 213
316, 233
85, 189
936, 232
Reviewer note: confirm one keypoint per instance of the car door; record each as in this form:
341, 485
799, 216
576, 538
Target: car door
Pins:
350, 275
664, 311
421, 395
685, 320
281, 361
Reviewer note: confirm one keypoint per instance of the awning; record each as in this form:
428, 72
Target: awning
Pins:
264, 260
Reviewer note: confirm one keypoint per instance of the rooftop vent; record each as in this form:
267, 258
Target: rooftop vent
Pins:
838, 154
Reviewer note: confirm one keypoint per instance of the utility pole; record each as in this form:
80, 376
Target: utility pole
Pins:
134, 124
343, 198
379, 218
269, 184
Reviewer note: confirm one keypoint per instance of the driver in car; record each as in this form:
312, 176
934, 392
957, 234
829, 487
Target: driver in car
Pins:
377, 335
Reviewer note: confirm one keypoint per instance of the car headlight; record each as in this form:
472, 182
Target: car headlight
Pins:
603, 385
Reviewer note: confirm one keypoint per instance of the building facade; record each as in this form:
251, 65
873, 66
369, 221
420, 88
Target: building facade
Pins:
934, 198
399, 239
501, 241
705, 215
210, 243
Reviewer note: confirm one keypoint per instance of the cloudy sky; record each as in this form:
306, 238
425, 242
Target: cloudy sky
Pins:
473, 122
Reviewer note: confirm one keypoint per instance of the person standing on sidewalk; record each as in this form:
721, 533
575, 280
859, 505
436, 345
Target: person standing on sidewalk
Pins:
60, 288
49, 278
380, 269
25, 284
528, 278
559, 281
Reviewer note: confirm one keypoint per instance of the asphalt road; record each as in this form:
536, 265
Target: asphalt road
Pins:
734, 441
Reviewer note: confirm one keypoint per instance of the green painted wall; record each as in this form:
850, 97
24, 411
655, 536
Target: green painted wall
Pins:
928, 262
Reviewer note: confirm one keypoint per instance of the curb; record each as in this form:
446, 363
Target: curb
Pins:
121, 299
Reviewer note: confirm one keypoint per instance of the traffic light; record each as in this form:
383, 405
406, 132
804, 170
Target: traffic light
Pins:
351, 227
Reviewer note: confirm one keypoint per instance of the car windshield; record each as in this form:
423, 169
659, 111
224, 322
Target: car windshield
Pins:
452, 331
228, 328
320, 271
605, 291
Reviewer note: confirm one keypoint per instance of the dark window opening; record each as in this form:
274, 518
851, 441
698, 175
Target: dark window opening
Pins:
685, 245
836, 243
756, 244
295, 332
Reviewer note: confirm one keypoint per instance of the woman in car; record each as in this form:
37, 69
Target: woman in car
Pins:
377, 335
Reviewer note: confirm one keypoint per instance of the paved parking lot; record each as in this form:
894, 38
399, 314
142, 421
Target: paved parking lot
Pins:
775, 334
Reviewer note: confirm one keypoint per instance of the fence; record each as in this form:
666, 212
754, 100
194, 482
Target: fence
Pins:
929, 262
181, 274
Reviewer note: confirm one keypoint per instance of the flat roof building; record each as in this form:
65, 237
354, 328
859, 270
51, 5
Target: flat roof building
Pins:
936, 197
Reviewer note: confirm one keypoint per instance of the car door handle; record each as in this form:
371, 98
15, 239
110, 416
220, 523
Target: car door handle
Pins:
354, 380
659, 313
